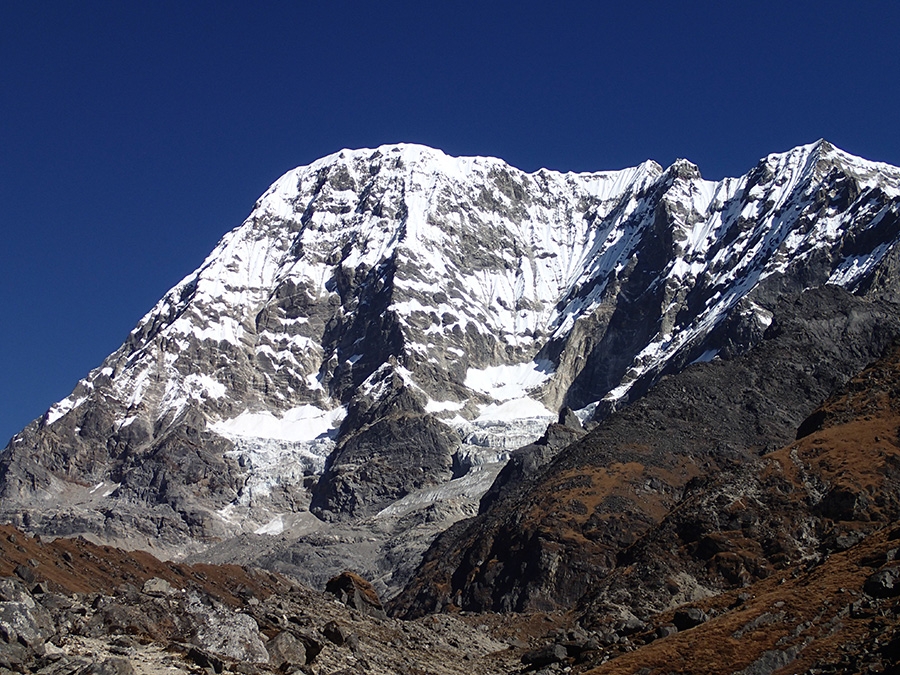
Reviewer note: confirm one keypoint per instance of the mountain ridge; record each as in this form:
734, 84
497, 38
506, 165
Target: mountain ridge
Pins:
380, 296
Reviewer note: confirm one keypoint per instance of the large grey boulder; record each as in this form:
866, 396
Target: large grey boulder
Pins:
285, 651
226, 633
885, 583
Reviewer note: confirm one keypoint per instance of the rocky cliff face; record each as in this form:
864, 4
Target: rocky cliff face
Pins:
388, 325
576, 522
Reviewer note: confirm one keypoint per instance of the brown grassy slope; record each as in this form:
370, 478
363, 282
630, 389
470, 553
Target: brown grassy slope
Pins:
803, 608
78, 566
818, 618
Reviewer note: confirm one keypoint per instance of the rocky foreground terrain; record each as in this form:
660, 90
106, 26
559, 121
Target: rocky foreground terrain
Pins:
69, 606
787, 563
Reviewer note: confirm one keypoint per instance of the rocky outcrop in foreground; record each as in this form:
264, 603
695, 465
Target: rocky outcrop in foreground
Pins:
70, 607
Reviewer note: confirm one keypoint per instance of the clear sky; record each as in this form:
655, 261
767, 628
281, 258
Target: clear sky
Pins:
134, 135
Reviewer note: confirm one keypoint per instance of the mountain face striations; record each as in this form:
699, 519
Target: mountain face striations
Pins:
389, 326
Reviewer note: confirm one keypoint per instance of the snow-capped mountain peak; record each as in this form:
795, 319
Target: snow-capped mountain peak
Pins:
460, 291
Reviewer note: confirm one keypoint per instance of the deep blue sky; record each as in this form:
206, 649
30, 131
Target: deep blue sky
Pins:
134, 135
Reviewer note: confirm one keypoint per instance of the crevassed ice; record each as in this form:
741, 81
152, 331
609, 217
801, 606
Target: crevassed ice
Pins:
514, 409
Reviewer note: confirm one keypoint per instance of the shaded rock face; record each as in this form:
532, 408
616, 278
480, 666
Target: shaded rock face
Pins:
388, 447
356, 592
526, 461
385, 462
388, 322
884, 584
689, 448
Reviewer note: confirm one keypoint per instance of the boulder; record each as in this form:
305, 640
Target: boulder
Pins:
689, 618
226, 633
335, 633
25, 573
285, 651
665, 631
885, 583
538, 658
158, 587
112, 666
205, 660
12, 590
26, 623
13, 656
356, 592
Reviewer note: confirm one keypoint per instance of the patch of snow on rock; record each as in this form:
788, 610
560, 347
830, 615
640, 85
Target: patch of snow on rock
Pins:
508, 382
303, 423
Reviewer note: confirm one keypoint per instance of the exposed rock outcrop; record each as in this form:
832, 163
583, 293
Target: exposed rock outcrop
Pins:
356, 592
